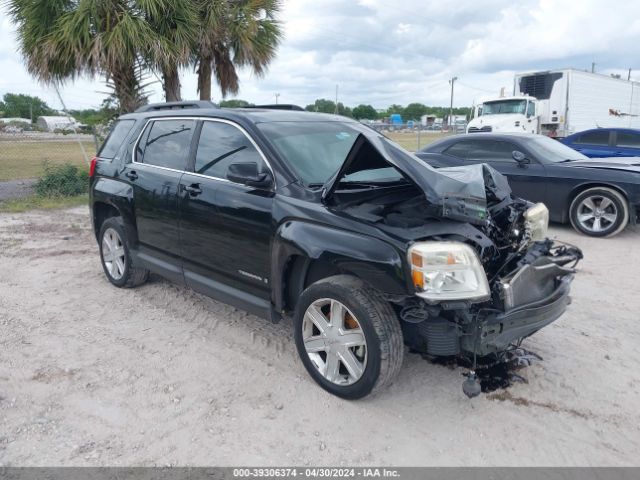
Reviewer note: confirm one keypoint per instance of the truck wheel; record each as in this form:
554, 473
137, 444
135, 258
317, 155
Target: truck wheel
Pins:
599, 212
348, 338
116, 256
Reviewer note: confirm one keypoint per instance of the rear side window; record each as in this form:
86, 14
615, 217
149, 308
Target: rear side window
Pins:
493, 150
166, 143
219, 146
483, 150
628, 139
460, 149
114, 140
597, 137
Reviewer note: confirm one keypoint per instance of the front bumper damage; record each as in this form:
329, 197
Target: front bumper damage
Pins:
546, 291
531, 295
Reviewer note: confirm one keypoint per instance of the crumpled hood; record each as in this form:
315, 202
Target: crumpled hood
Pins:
460, 192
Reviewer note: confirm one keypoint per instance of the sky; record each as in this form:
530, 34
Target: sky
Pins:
381, 53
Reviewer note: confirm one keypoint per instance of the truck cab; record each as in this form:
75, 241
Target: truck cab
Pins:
506, 115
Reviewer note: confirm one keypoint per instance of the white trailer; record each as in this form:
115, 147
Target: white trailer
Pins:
561, 102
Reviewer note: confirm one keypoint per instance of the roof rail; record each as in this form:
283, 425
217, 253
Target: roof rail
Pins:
177, 105
278, 106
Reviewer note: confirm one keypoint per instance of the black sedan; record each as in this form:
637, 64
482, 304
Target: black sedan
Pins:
598, 196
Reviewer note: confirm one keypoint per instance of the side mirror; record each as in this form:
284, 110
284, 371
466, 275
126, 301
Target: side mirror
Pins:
520, 157
247, 174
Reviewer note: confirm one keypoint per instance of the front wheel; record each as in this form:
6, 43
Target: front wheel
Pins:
349, 340
599, 212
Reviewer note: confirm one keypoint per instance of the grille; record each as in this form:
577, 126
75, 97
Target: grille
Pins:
485, 129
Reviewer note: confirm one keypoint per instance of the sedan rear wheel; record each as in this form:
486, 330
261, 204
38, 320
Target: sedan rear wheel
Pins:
599, 212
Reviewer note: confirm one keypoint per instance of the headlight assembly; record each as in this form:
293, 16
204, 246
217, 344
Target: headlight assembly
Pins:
536, 221
447, 271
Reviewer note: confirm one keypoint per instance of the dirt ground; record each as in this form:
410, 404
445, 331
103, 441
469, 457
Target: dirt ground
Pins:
159, 375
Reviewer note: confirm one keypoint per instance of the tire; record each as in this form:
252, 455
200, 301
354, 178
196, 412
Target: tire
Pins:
120, 273
601, 222
365, 315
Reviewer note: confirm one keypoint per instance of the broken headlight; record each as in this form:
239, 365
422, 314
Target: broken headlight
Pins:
447, 271
536, 222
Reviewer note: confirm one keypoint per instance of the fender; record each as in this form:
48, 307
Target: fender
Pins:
119, 195
376, 262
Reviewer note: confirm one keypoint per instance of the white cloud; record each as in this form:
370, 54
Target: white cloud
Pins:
383, 52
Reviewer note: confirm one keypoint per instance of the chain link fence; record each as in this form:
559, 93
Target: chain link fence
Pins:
413, 136
43, 163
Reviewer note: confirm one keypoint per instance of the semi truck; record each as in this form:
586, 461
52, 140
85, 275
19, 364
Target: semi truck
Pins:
558, 103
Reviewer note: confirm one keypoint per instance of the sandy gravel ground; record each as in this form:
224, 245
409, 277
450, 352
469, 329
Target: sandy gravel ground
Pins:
94, 375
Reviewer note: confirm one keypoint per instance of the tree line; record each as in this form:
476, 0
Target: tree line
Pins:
412, 111
131, 41
16, 105
26, 106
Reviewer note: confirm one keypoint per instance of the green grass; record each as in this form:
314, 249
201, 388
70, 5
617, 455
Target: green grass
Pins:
20, 160
409, 140
42, 203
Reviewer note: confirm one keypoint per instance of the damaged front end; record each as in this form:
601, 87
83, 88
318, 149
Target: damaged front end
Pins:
532, 292
484, 273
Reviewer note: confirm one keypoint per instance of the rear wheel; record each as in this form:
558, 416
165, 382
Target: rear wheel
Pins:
599, 212
116, 256
349, 339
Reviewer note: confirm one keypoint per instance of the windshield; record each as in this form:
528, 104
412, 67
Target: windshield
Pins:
552, 151
316, 150
504, 106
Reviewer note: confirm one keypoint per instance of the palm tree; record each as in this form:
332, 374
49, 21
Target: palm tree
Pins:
176, 25
63, 39
234, 33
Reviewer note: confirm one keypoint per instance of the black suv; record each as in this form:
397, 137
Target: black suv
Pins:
317, 217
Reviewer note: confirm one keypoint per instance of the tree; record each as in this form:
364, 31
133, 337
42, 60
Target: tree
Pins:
63, 39
414, 111
395, 109
234, 34
234, 103
178, 26
366, 112
24, 106
327, 106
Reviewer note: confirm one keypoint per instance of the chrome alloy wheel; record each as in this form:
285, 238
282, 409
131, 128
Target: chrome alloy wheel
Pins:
334, 341
597, 213
113, 254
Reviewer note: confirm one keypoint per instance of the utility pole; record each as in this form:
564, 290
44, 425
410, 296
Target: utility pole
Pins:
629, 75
277, 95
593, 67
336, 110
452, 81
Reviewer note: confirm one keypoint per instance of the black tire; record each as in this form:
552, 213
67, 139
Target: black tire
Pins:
131, 277
617, 205
378, 322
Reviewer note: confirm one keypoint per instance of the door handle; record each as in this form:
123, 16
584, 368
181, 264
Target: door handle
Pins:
132, 175
193, 189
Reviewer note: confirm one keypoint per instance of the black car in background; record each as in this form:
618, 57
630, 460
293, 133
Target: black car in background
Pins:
597, 196
321, 219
